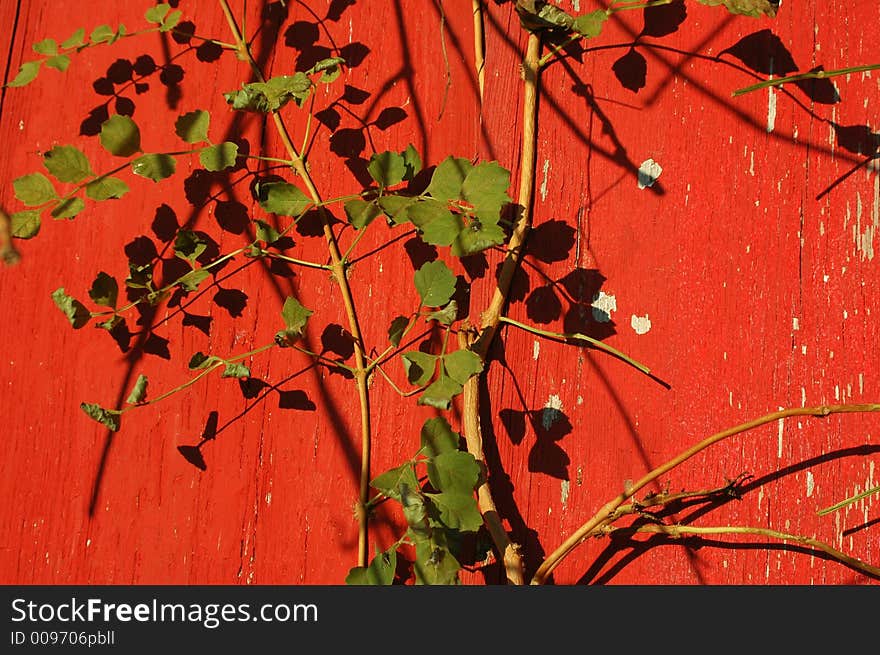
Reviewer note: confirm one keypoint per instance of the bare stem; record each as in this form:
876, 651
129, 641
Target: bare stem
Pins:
812, 75
338, 269
491, 318
479, 45
554, 559
677, 531
848, 501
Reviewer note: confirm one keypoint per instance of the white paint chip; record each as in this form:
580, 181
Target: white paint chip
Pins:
779, 439
536, 350
564, 491
811, 484
649, 171
544, 181
641, 324
603, 305
771, 110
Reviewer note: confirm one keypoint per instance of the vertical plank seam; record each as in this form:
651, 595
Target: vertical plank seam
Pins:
9, 56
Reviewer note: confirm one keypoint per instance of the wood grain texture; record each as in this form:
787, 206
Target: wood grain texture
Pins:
752, 257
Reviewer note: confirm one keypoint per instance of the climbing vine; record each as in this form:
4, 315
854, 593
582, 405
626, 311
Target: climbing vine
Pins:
460, 206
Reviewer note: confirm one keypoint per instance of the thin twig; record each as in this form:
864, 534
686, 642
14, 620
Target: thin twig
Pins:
338, 268
553, 560
479, 45
678, 531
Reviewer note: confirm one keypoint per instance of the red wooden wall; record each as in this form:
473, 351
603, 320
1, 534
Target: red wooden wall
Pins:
752, 257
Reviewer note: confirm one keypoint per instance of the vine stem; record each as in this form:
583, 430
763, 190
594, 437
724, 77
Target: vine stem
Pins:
677, 531
479, 45
600, 517
337, 267
813, 75
491, 318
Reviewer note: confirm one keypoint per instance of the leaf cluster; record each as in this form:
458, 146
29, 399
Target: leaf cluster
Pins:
435, 491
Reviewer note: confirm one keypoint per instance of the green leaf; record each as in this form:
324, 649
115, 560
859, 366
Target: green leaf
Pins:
440, 393
419, 367
412, 162
458, 510
157, 14
27, 73
435, 283
103, 34
282, 198
435, 565
437, 225
485, 186
236, 370
270, 95
67, 164
25, 224
105, 188
171, 21
361, 213
154, 166
34, 189
387, 168
325, 64
447, 315
111, 322
438, 437
200, 360
58, 62
219, 157
105, 290
396, 330
191, 281
120, 136
76, 40
448, 178
380, 571
295, 317
395, 208
139, 392
189, 245
414, 510
389, 483
72, 308
454, 472
68, 208
590, 25
46, 47
477, 237
461, 365
109, 418
266, 232
753, 8
193, 127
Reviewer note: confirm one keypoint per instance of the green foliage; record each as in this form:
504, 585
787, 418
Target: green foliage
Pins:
437, 512
105, 188
163, 16
120, 136
72, 308
282, 198
295, 318
34, 189
271, 95
193, 127
104, 291
139, 391
753, 8
435, 283
219, 157
25, 224
109, 418
67, 164
154, 167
